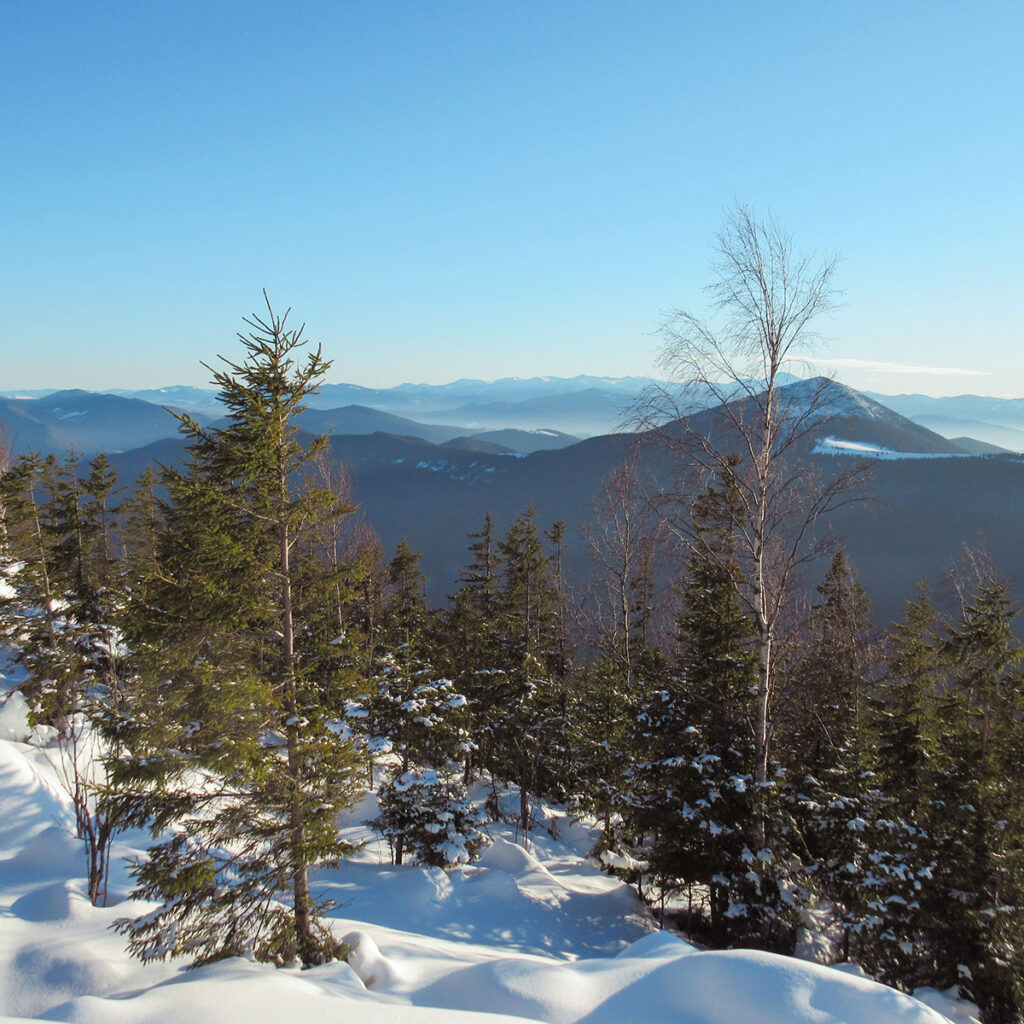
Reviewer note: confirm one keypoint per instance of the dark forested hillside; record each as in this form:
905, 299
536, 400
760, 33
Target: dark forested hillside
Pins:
915, 517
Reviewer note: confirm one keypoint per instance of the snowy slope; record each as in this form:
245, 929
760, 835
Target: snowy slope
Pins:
537, 935
864, 450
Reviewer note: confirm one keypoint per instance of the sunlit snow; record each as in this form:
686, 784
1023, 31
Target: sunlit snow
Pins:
532, 932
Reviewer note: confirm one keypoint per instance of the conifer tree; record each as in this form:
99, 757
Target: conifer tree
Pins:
826, 747
702, 802
61, 619
897, 875
61, 614
904, 707
467, 650
30, 618
413, 712
428, 814
423, 722
612, 693
232, 748
527, 730
980, 791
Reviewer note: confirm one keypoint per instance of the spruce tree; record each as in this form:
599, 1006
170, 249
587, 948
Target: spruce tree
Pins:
826, 747
466, 650
422, 722
897, 876
233, 761
65, 594
61, 618
980, 790
527, 730
696, 782
30, 611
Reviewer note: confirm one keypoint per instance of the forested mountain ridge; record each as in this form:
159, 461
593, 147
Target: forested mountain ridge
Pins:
915, 518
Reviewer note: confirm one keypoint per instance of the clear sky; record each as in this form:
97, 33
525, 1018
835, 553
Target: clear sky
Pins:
485, 189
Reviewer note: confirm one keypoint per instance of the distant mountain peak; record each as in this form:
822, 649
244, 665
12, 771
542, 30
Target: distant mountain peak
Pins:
833, 398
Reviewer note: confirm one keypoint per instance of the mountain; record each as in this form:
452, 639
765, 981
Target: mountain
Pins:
24, 431
415, 400
527, 440
85, 421
976, 447
188, 399
925, 498
588, 411
916, 514
840, 407
88, 422
480, 446
513, 389
27, 392
549, 406
996, 421
360, 419
580, 405
920, 512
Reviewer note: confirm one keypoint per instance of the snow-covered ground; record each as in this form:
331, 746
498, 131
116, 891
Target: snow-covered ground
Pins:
537, 935
834, 446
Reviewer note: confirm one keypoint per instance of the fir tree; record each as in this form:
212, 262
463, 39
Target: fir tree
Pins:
428, 814
466, 649
696, 784
527, 730
979, 787
827, 749
231, 744
62, 619
66, 588
897, 874
30, 609
423, 722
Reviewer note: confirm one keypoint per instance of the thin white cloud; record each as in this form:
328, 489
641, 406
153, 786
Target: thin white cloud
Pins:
883, 367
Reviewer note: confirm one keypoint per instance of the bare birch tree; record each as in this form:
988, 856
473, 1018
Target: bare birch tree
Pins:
624, 539
765, 300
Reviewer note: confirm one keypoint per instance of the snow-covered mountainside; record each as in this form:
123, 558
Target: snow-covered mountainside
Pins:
526, 934
834, 399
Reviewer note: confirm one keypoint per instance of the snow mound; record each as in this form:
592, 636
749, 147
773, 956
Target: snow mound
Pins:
509, 857
372, 969
52, 853
658, 946
678, 985
238, 990
14, 718
42, 975
50, 903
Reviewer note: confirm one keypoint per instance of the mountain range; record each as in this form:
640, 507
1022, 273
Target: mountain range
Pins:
995, 421
554, 411
926, 496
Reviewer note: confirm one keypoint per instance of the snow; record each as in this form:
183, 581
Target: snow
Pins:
532, 932
834, 446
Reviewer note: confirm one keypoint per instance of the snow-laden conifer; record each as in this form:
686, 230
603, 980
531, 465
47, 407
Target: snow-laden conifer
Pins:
233, 760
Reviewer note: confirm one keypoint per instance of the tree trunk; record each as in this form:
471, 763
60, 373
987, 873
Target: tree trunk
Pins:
307, 946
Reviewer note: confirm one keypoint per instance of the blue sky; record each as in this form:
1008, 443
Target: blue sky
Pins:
489, 189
